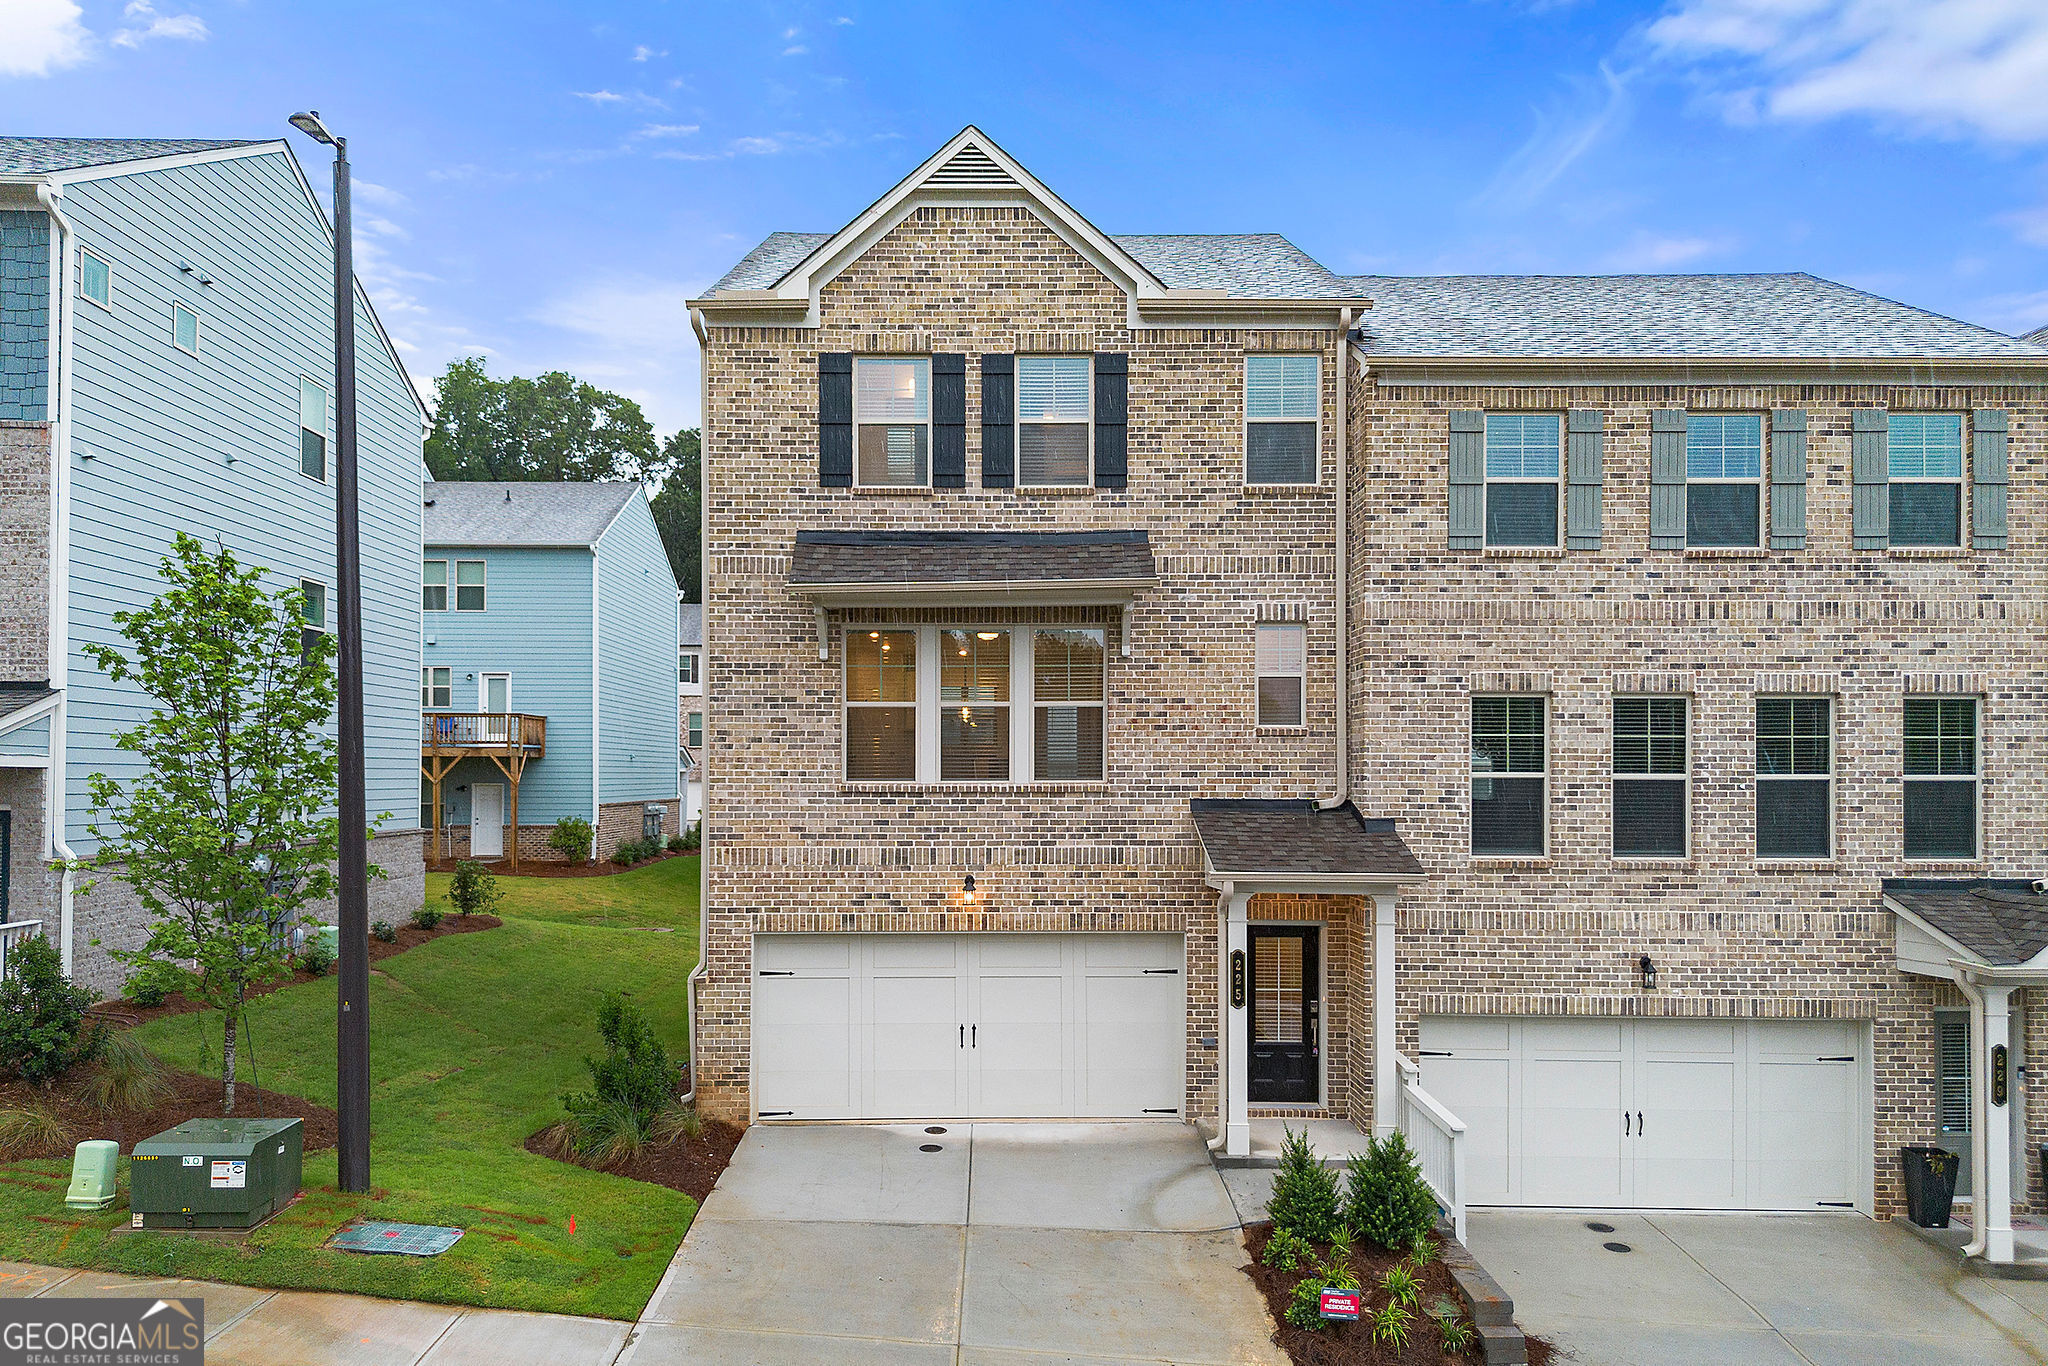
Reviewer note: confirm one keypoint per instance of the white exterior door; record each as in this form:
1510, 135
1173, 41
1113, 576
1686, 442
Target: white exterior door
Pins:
494, 696
968, 1026
1654, 1114
486, 820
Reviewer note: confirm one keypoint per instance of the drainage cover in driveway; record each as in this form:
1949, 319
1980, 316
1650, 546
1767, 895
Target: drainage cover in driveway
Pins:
1617, 1247
1599, 1227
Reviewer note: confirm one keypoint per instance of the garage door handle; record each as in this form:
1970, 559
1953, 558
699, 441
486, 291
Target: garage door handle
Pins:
1639, 1124
1436, 1053
974, 1036
963, 1036
1846, 1057
1624, 1124
766, 973
1163, 972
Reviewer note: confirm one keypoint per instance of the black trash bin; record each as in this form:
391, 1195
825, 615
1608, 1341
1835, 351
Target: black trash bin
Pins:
1930, 1184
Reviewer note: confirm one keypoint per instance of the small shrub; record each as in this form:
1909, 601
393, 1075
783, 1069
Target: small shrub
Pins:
384, 932
1423, 1251
1386, 1203
571, 838
126, 1076
676, 845
1335, 1269
1455, 1333
693, 835
427, 916
1304, 1200
31, 1128
612, 1133
630, 852
1399, 1285
316, 957
1305, 1307
472, 891
1391, 1325
42, 1014
1285, 1252
632, 1084
151, 984
678, 1121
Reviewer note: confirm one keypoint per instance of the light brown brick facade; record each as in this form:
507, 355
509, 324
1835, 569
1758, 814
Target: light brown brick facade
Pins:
24, 552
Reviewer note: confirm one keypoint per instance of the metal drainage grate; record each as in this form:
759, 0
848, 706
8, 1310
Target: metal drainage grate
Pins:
408, 1240
1598, 1227
1617, 1247
935, 1128
931, 1148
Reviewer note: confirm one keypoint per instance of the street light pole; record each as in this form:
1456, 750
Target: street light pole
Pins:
352, 1031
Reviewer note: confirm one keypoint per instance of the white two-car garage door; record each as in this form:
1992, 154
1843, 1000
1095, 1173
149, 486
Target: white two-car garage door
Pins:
1654, 1114
915, 1026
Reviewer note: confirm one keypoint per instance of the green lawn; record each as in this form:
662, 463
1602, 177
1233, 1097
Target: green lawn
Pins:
473, 1039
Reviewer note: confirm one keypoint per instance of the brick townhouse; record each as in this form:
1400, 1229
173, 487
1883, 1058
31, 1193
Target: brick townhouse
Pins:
1155, 676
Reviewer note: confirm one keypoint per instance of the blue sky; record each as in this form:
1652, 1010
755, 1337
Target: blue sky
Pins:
544, 184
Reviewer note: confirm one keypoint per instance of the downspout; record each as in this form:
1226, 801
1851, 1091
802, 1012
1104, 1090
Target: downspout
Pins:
596, 713
59, 410
696, 977
1343, 789
1980, 1109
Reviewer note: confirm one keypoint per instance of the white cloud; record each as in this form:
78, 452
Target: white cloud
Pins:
842, 19
40, 36
667, 130
796, 50
145, 23
1648, 251
790, 33
1942, 67
1565, 132
371, 193
2029, 225
630, 334
638, 98
384, 227
642, 52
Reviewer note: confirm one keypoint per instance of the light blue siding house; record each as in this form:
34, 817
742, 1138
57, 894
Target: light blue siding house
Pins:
548, 650
166, 365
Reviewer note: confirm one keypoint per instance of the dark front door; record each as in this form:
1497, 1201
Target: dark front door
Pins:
1287, 1014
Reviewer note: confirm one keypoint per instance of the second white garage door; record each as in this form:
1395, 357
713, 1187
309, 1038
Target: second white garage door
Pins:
910, 1026
1653, 1114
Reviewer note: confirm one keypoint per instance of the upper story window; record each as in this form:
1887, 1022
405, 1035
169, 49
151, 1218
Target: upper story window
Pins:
1282, 410
1650, 777
1282, 672
312, 614
95, 278
974, 706
1941, 777
469, 585
1925, 451
686, 668
312, 429
695, 730
436, 688
881, 705
185, 329
434, 585
1508, 776
1067, 705
1794, 777
1523, 473
892, 415
1724, 468
1054, 404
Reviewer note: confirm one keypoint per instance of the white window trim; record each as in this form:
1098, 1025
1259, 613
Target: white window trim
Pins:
697, 743
427, 686
1486, 522
916, 704
1961, 481
1762, 481
446, 586
483, 693
1616, 776
695, 683
1245, 437
326, 606
1473, 772
1258, 677
1020, 422
326, 438
1834, 787
1023, 702
455, 587
83, 252
930, 428
179, 306
1976, 777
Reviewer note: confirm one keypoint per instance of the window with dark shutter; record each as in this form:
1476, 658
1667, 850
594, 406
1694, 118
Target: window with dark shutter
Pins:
1650, 777
1724, 468
835, 419
1794, 777
1112, 419
1524, 460
998, 421
1508, 776
1941, 778
1055, 411
949, 421
892, 416
1924, 467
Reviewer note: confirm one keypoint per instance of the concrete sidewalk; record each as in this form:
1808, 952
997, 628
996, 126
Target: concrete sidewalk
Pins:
250, 1327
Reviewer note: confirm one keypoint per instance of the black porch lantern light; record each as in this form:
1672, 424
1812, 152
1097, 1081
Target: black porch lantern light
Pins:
968, 886
1649, 970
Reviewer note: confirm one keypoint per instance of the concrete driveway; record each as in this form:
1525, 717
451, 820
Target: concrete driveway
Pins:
975, 1245
1754, 1290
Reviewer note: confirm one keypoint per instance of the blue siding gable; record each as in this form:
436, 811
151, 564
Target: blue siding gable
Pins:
24, 315
30, 741
636, 644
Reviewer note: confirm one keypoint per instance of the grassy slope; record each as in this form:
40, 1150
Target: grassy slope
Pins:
474, 1037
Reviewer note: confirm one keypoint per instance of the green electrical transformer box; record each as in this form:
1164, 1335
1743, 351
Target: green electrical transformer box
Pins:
216, 1173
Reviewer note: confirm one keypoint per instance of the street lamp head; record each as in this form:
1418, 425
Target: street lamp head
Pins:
309, 124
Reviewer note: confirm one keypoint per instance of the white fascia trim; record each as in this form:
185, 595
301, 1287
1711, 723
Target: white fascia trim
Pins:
15, 720
1343, 884
172, 161
24, 761
1020, 592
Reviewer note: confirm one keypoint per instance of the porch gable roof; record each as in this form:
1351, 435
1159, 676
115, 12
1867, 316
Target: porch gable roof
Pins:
2001, 921
1258, 838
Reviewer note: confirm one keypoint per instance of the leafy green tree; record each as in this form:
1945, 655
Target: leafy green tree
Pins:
679, 511
224, 836
551, 429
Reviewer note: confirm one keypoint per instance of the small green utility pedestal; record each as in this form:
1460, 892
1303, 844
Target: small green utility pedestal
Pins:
216, 1173
92, 1175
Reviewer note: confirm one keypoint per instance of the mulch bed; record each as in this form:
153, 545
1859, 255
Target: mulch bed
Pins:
691, 1166
126, 1014
191, 1097
1351, 1344
541, 867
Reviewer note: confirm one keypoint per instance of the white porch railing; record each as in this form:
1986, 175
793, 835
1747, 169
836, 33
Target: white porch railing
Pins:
1438, 1138
13, 932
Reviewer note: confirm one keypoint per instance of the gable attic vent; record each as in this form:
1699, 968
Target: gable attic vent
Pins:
971, 167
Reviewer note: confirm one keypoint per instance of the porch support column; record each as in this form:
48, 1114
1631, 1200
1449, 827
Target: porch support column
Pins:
1237, 1032
1385, 1075
1993, 1212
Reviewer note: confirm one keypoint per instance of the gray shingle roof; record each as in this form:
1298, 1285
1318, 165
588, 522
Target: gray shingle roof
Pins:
33, 156
519, 514
1254, 836
1657, 315
1245, 265
769, 262
690, 623
976, 557
2003, 919
15, 696
2039, 336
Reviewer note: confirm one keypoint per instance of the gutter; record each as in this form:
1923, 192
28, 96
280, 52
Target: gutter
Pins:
697, 974
59, 411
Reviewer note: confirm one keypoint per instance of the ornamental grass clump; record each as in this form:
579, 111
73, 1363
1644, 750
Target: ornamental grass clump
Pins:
631, 1087
1304, 1201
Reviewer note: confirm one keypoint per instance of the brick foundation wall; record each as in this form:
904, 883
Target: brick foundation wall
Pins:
620, 821
24, 552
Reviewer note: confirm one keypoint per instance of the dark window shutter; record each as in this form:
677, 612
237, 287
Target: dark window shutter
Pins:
1468, 480
949, 421
1870, 472
1585, 439
835, 419
1667, 479
998, 421
1112, 413
1788, 479
1987, 478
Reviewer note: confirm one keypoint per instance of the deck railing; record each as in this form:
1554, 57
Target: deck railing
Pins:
1438, 1138
12, 932
457, 730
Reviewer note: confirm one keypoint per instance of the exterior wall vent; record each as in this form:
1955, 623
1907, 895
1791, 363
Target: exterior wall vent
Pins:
972, 168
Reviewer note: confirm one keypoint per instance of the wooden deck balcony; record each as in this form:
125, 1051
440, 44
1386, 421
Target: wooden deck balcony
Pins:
507, 740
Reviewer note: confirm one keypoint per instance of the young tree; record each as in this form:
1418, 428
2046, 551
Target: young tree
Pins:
223, 836
678, 511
